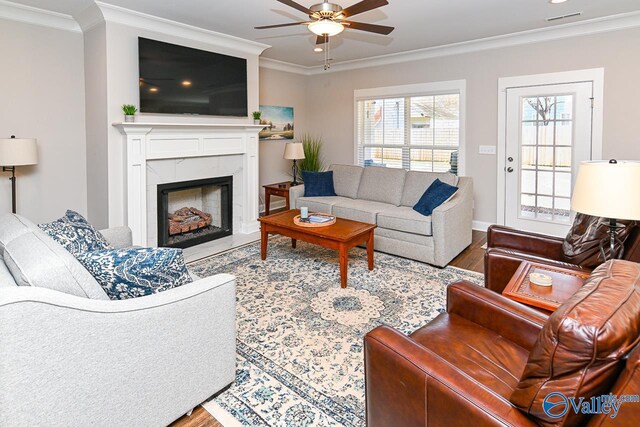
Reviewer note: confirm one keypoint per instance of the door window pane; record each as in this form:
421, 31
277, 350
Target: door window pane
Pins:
546, 163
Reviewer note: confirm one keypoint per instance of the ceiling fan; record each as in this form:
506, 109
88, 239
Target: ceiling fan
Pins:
328, 19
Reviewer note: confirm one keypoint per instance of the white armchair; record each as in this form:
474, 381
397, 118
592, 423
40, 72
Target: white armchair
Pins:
67, 360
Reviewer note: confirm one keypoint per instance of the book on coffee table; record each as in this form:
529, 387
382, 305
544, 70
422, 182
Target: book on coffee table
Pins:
320, 219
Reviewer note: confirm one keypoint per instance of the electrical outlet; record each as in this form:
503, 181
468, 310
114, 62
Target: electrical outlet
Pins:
487, 149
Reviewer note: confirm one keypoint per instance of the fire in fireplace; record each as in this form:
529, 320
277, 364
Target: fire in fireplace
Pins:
194, 212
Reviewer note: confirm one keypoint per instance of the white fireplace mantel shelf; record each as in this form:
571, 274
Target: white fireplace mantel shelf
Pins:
145, 142
134, 125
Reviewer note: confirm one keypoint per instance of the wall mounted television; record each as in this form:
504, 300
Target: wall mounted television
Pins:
181, 80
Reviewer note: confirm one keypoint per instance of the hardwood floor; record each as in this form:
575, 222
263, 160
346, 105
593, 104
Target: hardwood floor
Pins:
471, 258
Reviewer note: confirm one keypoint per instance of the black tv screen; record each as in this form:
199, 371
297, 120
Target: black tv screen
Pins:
181, 80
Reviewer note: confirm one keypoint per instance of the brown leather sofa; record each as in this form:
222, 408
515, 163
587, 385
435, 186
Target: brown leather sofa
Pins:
508, 247
490, 361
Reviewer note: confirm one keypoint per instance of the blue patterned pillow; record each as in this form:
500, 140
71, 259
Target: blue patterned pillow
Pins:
75, 234
135, 272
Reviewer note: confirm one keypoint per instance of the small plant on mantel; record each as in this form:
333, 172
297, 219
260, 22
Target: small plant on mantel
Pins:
256, 117
129, 112
313, 161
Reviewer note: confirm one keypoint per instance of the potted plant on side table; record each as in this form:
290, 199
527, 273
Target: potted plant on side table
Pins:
129, 112
313, 161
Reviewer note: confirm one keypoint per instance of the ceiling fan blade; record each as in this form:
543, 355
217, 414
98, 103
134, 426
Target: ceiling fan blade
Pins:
372, 28
295, 5
363, 6
264, 27
321, 39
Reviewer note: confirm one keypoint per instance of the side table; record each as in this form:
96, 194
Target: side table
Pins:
566, 282
278, 189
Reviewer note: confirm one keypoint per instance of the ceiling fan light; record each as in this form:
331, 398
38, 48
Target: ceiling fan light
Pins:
326, 27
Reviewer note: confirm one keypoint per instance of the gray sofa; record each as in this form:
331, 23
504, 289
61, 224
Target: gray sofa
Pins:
70, 356
385, 197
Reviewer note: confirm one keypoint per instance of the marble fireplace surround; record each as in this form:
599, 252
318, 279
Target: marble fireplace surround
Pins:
168, 152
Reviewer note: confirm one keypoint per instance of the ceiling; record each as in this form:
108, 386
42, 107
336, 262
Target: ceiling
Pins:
419, 23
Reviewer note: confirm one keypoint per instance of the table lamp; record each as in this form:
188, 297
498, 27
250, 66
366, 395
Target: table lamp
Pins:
294, 151
16, 152
607, 189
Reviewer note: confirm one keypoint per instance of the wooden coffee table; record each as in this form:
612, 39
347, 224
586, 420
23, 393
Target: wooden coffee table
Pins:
566, 282
342, 236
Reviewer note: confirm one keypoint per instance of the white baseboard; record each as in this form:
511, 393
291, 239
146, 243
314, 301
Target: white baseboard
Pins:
480, 225
274, 205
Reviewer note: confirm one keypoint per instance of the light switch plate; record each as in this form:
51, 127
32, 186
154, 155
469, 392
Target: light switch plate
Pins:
487, 149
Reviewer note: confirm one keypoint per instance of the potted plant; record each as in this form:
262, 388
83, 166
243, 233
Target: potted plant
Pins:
313, 161
256, 117
129, 112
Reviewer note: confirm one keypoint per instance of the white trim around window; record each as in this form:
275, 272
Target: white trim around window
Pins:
421, 89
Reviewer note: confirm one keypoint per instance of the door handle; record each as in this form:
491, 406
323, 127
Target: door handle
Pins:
509, 169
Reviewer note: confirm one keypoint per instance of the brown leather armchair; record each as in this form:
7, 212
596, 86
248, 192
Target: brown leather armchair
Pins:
490, 361
508, 247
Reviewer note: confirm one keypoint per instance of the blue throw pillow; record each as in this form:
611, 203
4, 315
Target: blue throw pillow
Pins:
318, 184
75, 234
437, 193
135, 272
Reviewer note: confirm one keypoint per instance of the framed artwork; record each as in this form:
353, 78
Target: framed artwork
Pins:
278, 123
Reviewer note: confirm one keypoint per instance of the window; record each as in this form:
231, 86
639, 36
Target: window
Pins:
416, 127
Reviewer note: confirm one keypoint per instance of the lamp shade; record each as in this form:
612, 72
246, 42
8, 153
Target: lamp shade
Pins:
18, 152
293, 151
607, 189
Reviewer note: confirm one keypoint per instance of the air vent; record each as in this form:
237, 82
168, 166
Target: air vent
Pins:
570, 15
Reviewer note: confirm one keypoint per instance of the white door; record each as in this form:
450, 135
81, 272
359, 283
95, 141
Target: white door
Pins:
548, 133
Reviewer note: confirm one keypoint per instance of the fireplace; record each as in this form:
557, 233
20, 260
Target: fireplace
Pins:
194, 212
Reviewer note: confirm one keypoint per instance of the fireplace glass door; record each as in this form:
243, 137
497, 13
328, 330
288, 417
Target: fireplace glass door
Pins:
194, 212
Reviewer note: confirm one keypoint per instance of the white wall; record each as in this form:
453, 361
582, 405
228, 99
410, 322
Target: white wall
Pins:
97, 128
42, 92
287, 90
618, 52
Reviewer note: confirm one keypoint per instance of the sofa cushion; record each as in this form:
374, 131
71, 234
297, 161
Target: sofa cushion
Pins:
12, 226
359, 210
582, 347
346, 179
381, 184
6, 279
319, 204
318, 184
404, 218
34, 259
437, 193
417, 182
134, 272
75, 234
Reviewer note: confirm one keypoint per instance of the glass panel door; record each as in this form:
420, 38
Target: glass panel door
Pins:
548, 135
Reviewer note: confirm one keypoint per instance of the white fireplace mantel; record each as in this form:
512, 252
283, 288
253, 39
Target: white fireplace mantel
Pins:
154, 141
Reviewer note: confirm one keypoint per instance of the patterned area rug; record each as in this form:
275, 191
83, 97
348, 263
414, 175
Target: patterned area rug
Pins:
300, 336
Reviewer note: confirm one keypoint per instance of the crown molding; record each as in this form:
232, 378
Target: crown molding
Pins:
574, 29
89, 18
120, 15
274, 64
33, 15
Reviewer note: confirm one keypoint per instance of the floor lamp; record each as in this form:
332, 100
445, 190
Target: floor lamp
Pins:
607, 189
16, 152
